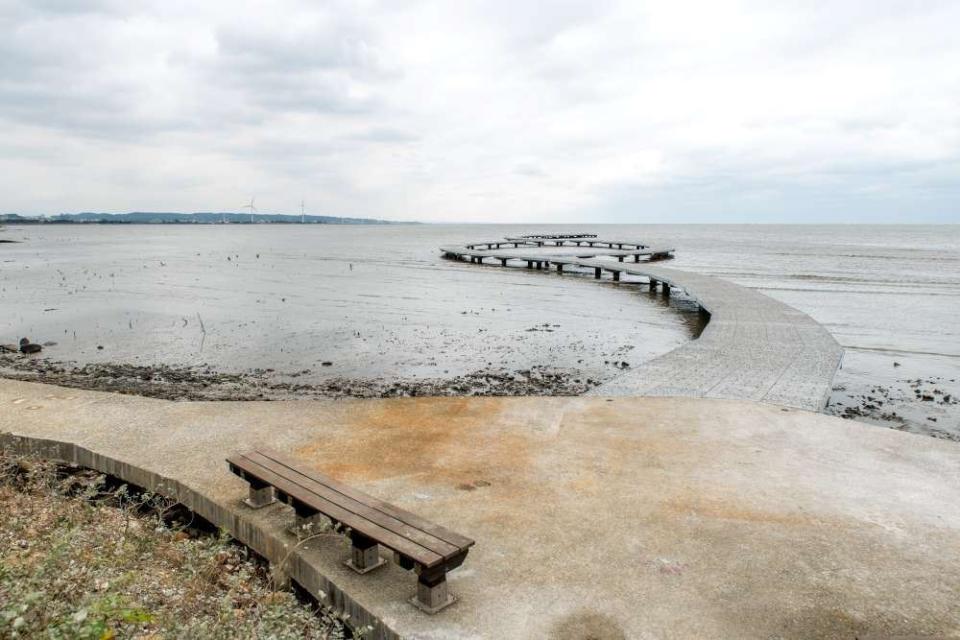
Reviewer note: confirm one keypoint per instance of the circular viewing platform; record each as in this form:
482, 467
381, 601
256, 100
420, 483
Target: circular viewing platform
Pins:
753, 347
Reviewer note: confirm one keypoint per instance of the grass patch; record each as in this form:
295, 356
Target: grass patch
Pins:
83, 557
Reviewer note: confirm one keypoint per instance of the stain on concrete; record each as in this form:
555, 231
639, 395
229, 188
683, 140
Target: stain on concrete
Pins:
587, 625
436, 442
713, 507
473, 486
828, 623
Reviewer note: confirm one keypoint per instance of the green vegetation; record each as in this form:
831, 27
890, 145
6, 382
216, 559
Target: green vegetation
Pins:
81, 558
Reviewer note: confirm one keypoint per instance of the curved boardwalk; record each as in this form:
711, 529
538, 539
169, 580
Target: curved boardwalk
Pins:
753, 348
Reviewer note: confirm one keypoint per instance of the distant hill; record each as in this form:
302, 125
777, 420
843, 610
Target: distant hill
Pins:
150, 217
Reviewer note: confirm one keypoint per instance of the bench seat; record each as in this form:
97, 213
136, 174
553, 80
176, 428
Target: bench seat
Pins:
417, 543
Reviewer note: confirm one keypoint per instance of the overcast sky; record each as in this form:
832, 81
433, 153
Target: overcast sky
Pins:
499, 111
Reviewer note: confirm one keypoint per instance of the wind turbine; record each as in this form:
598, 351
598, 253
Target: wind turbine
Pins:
252, 208
301, 212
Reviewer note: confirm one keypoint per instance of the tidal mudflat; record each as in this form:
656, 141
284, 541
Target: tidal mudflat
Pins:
288, 311
230, 312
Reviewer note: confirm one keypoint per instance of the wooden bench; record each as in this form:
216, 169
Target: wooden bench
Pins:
417, 543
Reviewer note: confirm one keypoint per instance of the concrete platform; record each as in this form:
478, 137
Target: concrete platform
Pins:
601, 518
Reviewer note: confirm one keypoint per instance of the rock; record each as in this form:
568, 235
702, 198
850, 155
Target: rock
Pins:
9, 348
49, 343
29, 347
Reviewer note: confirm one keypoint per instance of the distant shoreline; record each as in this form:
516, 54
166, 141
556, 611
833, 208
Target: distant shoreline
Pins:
204, 217
33, 223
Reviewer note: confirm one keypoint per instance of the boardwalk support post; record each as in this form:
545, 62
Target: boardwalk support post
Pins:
596, 273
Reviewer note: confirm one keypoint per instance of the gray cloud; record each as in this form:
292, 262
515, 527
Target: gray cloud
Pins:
567, 111
383, 135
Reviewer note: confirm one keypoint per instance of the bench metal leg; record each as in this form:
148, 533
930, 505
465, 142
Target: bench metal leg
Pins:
432, 592
365, 555
259, 496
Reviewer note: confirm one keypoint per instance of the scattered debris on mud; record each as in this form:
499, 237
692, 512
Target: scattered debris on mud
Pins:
917, 405
205, 383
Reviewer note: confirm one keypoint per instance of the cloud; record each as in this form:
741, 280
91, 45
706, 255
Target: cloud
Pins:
496, 111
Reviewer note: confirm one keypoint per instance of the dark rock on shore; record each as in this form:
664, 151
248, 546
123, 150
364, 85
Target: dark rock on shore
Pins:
29, 347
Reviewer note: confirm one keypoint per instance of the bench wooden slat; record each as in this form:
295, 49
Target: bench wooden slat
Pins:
336, 512
316, 483
454, 539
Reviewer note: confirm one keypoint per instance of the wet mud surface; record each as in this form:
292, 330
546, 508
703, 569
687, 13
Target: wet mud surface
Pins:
916, 394
919, 405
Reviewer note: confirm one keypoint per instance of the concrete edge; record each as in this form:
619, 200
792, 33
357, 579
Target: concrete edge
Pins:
267, 543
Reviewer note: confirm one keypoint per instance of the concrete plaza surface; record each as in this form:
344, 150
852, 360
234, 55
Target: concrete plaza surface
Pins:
593, 517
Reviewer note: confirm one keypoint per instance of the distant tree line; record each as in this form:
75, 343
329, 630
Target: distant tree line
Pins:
143, 217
